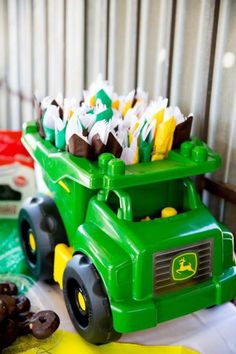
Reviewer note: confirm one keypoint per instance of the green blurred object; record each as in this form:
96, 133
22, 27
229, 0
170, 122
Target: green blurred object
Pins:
50, 134
105, 99
11, 256
145, 151
60, 138
104, 115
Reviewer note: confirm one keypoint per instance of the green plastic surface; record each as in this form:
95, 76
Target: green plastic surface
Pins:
102, 208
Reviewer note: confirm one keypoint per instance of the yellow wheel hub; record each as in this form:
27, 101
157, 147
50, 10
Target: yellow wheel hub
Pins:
81, 301
32, 242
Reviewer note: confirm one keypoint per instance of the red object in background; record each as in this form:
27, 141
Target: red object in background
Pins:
20, 181
12, 150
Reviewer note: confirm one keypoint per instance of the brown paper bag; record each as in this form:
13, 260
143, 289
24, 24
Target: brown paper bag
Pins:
39, 113
97, 145
182, 132
79, 147
113, 146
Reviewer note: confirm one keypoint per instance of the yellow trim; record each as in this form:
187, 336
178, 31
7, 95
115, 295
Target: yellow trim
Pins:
64, 186
81, 301
63, 255
32, 242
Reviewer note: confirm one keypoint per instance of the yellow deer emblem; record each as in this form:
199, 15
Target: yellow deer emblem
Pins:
183, 267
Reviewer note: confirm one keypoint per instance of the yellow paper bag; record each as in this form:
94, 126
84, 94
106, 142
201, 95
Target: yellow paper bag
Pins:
163, 139
126, 107
133, 134
159, 116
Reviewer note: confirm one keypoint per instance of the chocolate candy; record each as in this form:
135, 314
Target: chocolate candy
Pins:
10, 303
22, 303
3, 311
8, 288
44, 324
24, 328
13, 288
4, 288
9, 332
16, 319
23, 322
21, 317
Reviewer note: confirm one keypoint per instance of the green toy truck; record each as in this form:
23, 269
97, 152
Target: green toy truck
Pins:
100, 234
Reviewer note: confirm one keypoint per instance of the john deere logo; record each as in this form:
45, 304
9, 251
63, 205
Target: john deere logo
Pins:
184, 266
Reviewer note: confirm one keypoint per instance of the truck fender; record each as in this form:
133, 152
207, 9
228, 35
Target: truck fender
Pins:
112, 262
228, 247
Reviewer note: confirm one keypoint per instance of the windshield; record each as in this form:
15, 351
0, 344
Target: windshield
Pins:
148, 201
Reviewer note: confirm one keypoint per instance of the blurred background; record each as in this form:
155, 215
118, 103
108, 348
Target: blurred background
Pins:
181, 49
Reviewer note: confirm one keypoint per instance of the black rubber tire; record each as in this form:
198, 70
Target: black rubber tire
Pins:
39, 216
94, 323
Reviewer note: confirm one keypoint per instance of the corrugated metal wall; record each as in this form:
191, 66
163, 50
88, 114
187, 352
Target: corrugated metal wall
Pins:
183, 49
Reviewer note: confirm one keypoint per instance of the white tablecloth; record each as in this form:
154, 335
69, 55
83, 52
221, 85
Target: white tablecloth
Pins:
211, 331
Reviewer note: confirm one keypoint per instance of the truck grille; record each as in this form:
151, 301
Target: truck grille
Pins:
163, 274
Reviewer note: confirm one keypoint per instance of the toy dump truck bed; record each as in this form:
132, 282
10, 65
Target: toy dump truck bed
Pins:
192, 159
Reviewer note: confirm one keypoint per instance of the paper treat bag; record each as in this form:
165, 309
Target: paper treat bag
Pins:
163, 139
182, 132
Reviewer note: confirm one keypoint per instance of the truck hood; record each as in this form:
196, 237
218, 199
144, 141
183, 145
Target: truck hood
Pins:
162, 234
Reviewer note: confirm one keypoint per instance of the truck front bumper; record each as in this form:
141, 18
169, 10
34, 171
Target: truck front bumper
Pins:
130, 316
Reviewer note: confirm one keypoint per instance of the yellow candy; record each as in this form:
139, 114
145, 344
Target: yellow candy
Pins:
116, 104
147, 218
70, 114
168, 211
92, 101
